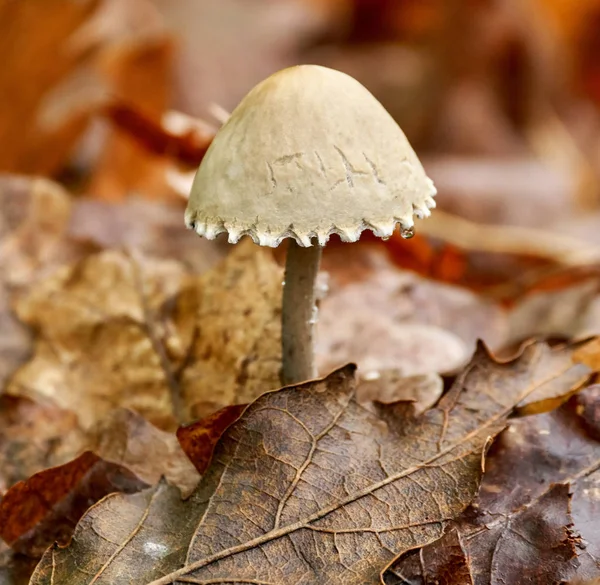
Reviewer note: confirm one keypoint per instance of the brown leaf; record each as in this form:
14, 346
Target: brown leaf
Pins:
550, 396
443, 562
534, 545
99, 342
33, 224
127, 439
381, 317
524, 525
229, 351
125, 454
46, 507
560, 313
188, 148
119, 330
198, 440
309, 485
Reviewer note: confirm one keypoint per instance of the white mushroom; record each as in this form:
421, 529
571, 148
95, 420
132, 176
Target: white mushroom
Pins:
307, 153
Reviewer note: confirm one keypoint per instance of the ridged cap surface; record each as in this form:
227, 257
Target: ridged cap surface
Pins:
307, 153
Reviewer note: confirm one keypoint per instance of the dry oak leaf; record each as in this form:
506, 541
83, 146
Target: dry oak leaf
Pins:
46, 507
527, 525
310, 487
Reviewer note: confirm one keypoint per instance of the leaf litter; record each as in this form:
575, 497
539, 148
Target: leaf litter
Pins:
503, 283
337, 482
537, 502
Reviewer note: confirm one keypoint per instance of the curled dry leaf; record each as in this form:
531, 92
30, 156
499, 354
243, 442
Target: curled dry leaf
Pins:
308, 485
127, 439
198, 440
46, 507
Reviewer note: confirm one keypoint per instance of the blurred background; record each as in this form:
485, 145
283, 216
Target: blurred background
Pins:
500, 98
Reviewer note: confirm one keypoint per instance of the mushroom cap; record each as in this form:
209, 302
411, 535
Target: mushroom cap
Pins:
307, 153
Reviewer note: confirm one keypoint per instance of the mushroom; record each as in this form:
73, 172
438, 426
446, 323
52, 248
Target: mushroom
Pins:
309, 152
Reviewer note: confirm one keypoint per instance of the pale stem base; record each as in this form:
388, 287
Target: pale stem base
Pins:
298, 313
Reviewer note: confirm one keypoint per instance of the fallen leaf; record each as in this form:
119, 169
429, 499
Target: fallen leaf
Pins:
125, 330
561, 313
98, 346
198, 440
381, 317
309, 485
46, 507
550, 396
128, 440
443, 562
524, 523
123, 453
534, 544
389, 386
229, 351
33, 226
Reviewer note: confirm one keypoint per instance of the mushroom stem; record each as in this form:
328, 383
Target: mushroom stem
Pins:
299, 312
